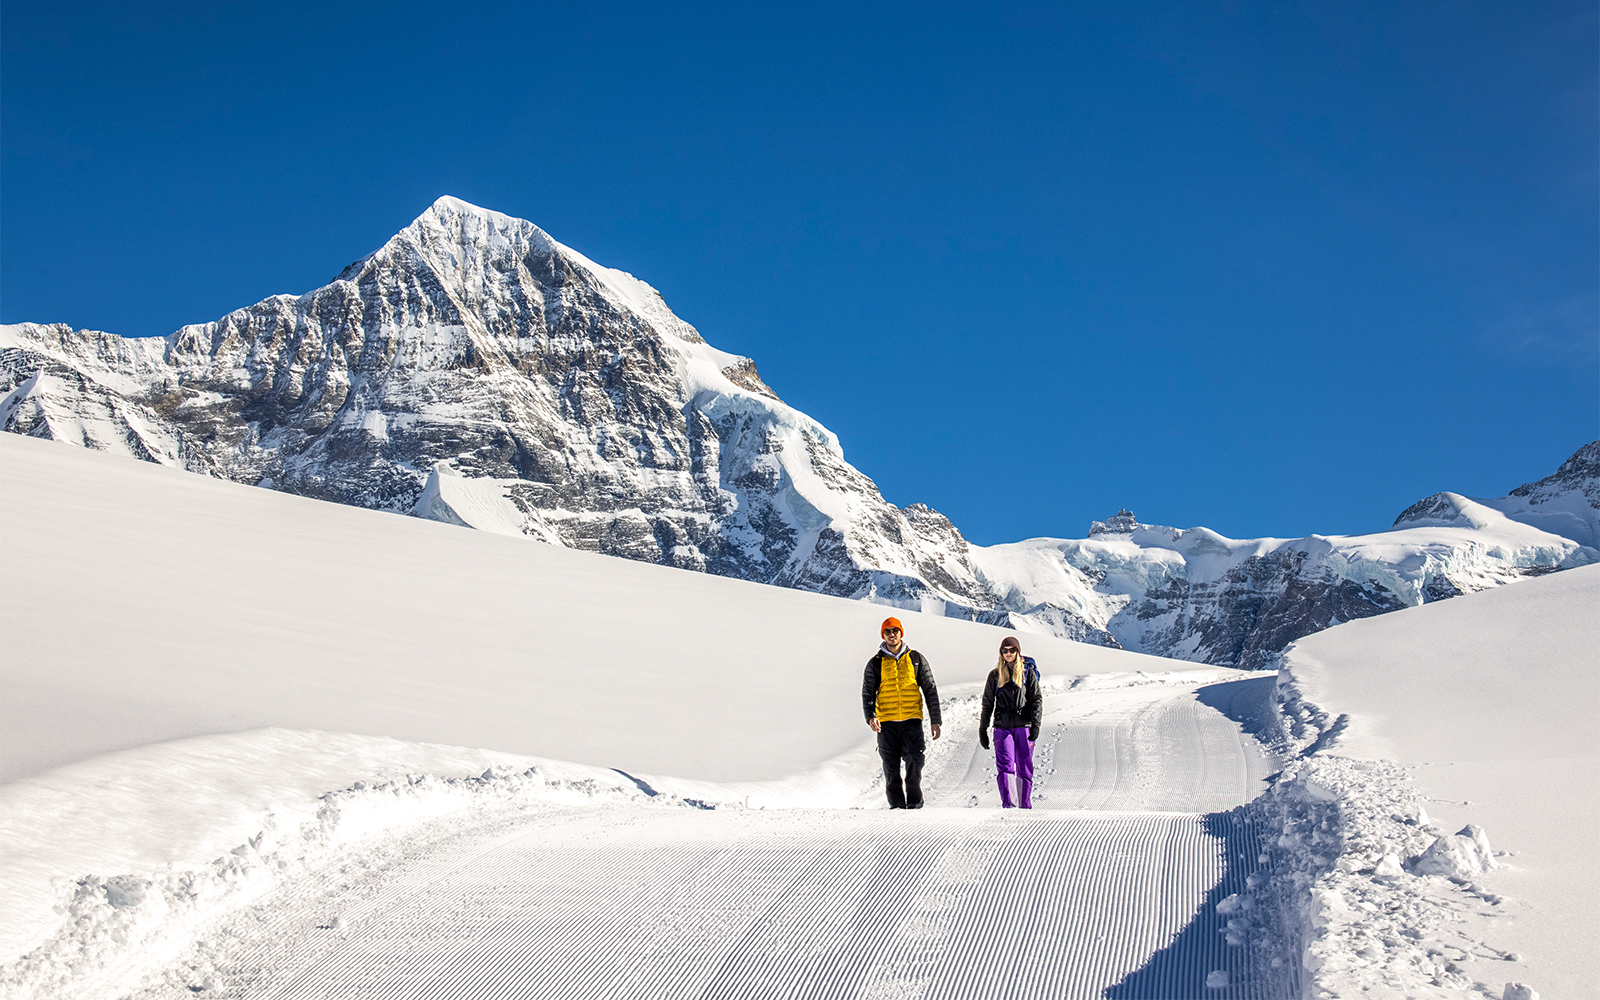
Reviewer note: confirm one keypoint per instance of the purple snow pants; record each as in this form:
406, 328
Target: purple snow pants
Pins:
1014, 754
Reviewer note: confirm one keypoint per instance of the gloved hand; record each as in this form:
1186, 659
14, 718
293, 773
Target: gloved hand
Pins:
983, 738
1033, 734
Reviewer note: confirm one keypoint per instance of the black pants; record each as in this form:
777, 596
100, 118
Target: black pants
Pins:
899, 741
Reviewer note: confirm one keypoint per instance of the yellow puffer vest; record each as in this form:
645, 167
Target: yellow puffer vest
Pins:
899, 698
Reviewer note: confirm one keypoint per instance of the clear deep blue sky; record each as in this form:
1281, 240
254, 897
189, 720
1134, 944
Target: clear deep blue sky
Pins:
1269, 268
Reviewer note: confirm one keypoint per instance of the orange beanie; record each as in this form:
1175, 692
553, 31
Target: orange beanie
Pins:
889, 623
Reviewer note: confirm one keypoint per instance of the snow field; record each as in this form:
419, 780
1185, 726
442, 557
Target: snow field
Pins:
162, 607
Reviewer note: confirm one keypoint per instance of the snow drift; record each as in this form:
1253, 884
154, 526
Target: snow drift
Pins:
1423, 737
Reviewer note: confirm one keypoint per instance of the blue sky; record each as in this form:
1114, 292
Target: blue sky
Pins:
1270, 268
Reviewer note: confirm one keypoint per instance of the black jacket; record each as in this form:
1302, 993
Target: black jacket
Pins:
873, 679
1001, 703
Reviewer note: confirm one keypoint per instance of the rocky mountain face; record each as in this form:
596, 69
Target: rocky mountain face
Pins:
1194, 594
473, 370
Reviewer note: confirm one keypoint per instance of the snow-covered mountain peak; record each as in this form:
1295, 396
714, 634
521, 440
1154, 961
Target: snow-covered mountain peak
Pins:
1447, 509
451, 224
1585, 462
454, 234
474, 370
450, 204
1195, 594
1121, 523
1564, 503
1123, 526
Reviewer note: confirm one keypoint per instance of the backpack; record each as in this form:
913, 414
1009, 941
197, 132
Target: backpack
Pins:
1030, 671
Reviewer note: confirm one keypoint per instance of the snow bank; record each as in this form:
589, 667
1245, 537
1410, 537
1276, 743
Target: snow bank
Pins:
1479, 710
1360, 893
99, 935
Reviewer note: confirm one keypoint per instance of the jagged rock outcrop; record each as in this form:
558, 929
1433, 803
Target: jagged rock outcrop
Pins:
475, 371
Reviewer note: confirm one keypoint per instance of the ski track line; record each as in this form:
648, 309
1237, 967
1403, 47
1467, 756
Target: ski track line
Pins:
867, 905
379, 892
911, 957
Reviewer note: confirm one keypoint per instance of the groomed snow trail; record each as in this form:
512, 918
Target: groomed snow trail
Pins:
1110, 893
1127, 748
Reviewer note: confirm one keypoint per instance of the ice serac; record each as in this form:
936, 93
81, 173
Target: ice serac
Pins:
1197, 595
474, 370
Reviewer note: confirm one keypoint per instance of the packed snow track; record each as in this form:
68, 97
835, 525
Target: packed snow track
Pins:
1108, 889
956, 903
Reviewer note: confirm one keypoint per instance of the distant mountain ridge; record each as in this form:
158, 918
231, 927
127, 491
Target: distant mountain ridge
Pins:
1197, 595
474, 370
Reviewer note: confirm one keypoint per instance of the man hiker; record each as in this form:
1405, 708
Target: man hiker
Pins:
897, 682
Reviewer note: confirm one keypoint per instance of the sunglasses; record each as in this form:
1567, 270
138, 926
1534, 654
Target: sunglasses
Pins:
1008, 651
891, 631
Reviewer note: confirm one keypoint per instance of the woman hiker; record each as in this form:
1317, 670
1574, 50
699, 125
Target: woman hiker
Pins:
1011, 697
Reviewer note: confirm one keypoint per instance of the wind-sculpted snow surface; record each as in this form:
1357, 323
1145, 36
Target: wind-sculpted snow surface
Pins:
475, 371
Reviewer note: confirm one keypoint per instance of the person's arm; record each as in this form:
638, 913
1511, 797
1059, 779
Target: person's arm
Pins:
870, 681
930, 692
988, 700
988, 709
1035, 707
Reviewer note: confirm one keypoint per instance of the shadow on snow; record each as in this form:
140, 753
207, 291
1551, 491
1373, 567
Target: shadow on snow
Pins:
1201, 950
